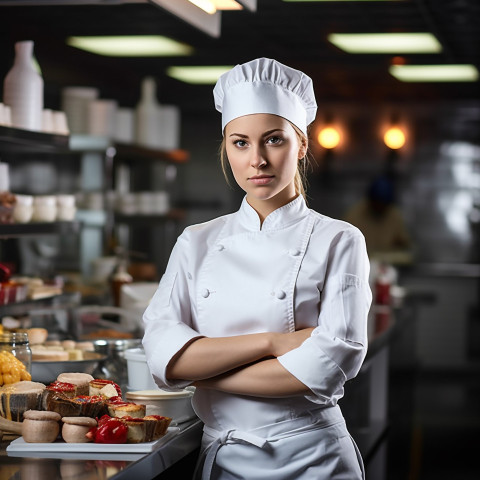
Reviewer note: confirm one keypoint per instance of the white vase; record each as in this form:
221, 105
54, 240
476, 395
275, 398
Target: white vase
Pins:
23, 89
147, 113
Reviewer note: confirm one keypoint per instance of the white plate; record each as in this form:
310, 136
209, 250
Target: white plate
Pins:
19, 445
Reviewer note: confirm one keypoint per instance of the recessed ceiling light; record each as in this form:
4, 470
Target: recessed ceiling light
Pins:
386, 42
131, 46
434, 73
198, 74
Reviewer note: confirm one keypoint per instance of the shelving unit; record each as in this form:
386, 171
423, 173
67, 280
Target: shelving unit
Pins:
96, 160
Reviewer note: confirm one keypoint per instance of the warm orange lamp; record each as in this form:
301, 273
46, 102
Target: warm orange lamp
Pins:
394, 138
329, 137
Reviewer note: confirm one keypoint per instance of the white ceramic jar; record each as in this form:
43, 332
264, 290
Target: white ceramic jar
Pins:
23, 210
66, 208
44, 208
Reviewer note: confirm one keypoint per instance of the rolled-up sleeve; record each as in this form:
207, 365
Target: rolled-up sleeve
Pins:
337, 347
167, 319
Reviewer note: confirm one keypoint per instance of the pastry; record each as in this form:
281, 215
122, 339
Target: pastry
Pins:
136, 429
80, 380
97, 384
40, 426
69, 344
47, 355
37, 335
75, 429
126, 409
67, 390
156, 426
16, 398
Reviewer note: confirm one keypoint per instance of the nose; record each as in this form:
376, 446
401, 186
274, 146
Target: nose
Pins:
258, 160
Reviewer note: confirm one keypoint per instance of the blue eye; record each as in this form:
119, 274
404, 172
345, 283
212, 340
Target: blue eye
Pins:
240, 143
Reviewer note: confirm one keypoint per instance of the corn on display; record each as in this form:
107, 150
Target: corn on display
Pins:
12, 369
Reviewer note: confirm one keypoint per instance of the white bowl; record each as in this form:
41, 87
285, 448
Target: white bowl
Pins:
176, 405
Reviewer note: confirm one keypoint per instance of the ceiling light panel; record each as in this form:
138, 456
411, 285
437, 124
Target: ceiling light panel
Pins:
435, 73
131, 46
386, 42
227, 5
199, 75
208, 23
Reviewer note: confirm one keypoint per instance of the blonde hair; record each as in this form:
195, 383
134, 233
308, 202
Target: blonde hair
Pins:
303, 164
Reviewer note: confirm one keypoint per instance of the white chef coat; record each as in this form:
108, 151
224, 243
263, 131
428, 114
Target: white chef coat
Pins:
233, 276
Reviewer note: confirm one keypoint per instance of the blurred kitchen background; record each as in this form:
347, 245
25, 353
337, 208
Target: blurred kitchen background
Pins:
131, 207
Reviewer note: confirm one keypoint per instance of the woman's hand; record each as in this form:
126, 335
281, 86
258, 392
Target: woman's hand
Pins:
284, 342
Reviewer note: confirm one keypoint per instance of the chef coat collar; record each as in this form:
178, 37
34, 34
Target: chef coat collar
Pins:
282, 217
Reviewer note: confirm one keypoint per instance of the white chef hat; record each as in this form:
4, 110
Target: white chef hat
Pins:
266, 86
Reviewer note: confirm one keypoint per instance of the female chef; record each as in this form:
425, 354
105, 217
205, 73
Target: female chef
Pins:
265, 310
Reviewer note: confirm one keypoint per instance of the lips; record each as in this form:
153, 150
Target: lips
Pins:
261, 179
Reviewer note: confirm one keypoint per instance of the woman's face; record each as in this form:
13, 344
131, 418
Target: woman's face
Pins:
263, 151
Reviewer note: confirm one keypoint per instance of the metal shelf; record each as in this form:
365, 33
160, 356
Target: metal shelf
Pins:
125, 151
16, 140
27, 141
150, 219
15, 230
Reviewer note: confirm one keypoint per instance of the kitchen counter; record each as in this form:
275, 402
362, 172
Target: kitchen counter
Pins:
100, 466
364, 407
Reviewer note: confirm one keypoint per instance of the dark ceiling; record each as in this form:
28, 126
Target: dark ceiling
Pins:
293, 33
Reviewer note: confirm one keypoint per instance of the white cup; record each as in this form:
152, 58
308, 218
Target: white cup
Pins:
127, 203
44, 208
145, 203
47, 121
60, 123
66, 208
23, 211
75, 102
161, 203
124, 125
101, 117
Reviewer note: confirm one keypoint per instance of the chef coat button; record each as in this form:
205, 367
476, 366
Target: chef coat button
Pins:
205, 293
294, 252
189, 275
281, 294
220, 247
